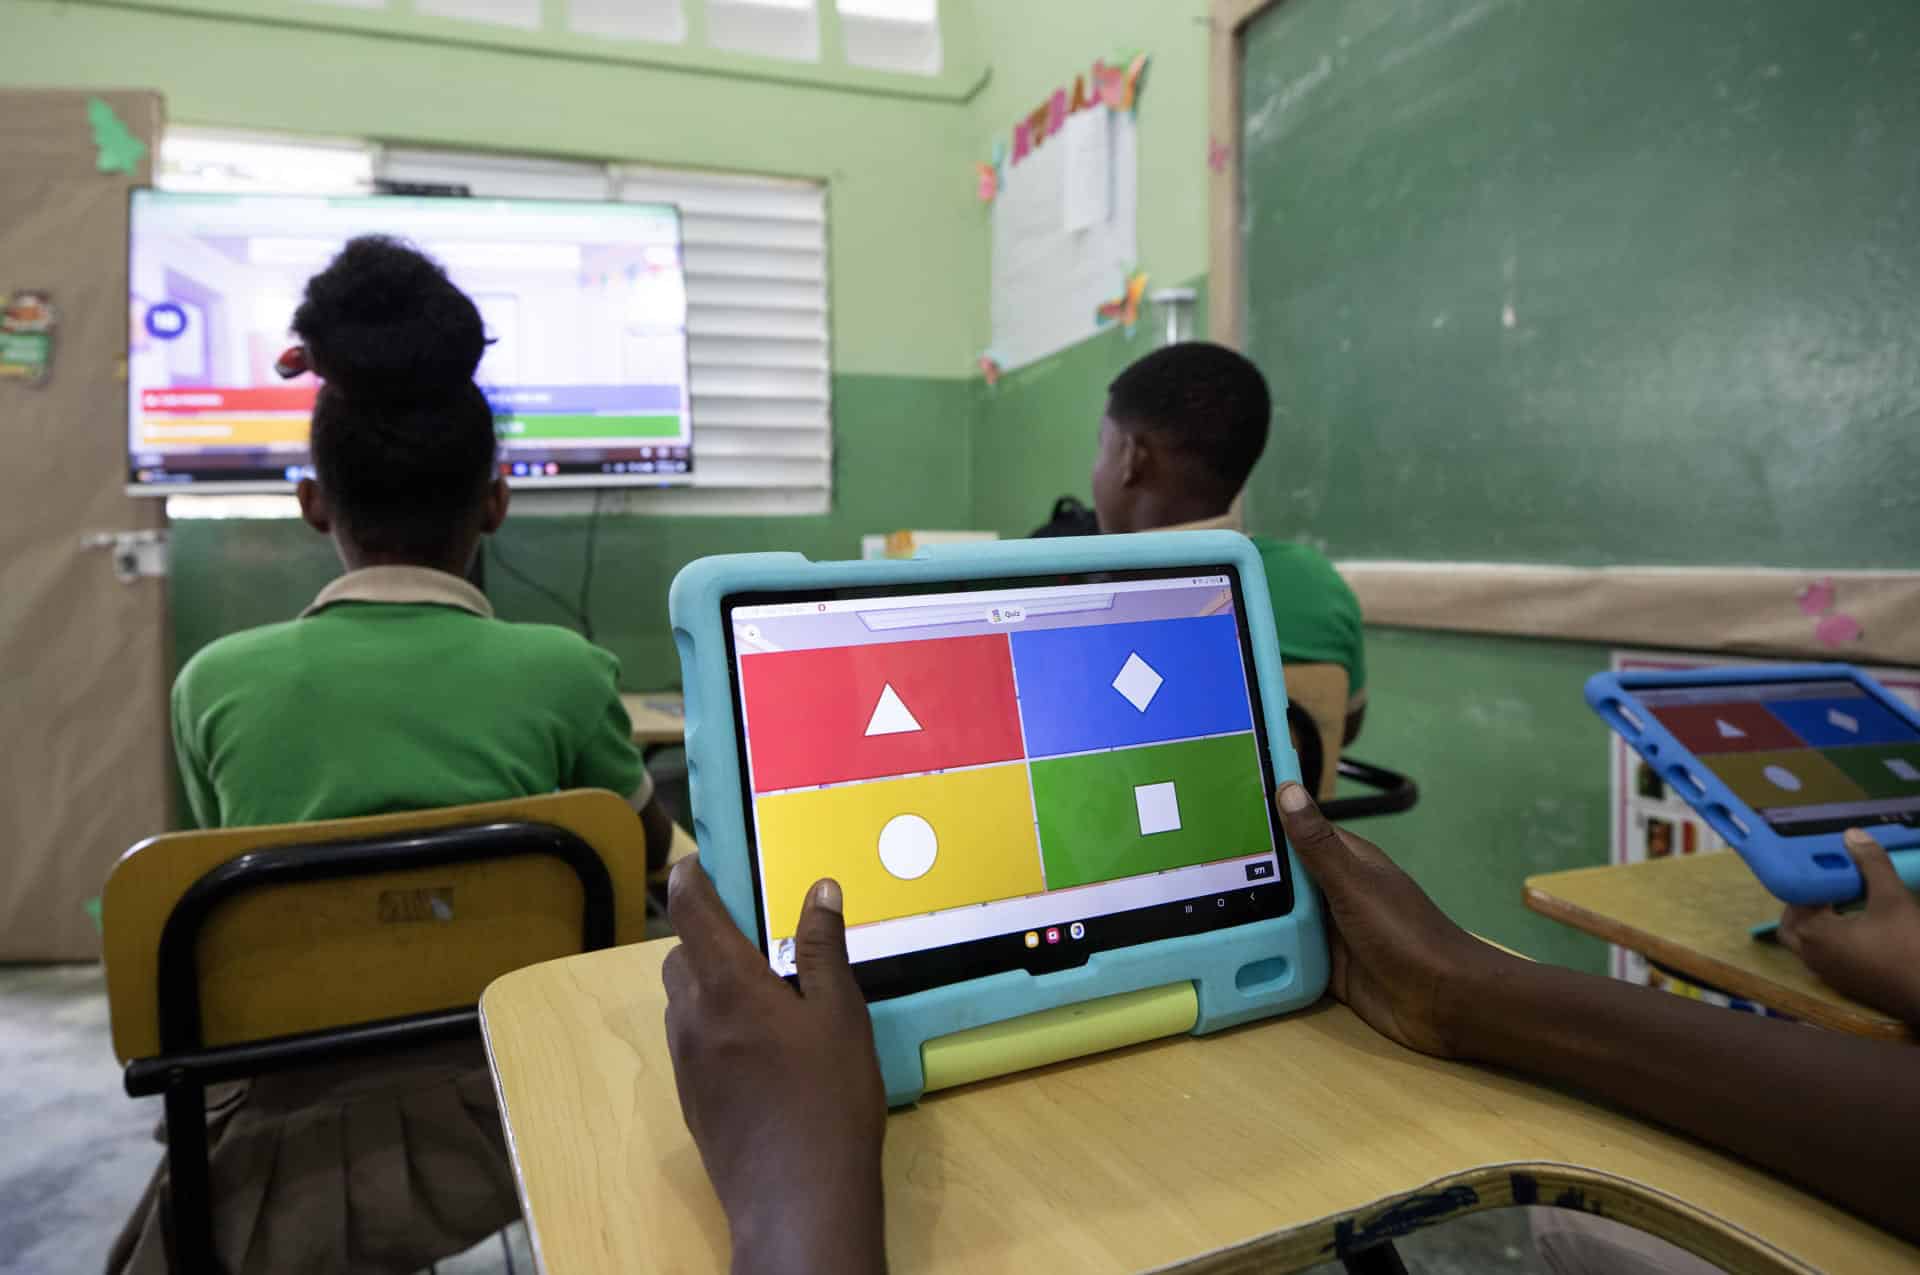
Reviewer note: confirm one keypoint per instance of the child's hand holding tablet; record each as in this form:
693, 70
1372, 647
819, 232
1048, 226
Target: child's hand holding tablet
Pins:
1041, 772
1781, 761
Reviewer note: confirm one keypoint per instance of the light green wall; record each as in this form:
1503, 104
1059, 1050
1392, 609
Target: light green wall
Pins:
963, 63
897, 174
896, 167
1036, 48
1033, 432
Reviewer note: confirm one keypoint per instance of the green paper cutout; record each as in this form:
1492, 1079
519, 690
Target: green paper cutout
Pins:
117, 150
26, 337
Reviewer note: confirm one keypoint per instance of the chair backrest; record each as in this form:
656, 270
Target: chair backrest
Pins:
1320, 690
315, 954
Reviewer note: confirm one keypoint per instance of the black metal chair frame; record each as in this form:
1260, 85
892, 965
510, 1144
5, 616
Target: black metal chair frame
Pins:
183, 1069
1394, 792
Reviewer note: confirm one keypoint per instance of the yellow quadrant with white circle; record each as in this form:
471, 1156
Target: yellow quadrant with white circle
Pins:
901, 847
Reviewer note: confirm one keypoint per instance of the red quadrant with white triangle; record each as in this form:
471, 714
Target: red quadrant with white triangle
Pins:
864, 712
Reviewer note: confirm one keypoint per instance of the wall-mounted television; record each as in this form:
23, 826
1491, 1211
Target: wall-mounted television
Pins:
585, 305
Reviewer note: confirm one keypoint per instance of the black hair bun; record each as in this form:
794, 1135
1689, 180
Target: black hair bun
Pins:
383, 322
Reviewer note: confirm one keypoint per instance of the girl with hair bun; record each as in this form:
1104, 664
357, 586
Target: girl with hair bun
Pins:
397, 689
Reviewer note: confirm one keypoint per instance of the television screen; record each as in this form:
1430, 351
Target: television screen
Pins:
585, 305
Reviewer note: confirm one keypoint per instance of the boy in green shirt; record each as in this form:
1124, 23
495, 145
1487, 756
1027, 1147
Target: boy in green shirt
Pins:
1182, 430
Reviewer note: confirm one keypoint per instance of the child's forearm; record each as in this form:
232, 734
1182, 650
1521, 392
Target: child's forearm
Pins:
1837, 1114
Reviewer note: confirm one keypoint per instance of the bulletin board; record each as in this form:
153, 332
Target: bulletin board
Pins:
1063, 184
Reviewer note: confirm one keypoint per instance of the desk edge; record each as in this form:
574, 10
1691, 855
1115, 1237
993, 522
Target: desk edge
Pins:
1858, 1020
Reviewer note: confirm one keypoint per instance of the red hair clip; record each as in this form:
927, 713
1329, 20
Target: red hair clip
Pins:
292, 362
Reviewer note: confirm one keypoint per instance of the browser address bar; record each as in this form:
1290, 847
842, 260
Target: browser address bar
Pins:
890, 620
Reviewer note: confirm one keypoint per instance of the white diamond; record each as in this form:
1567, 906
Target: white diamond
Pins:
1137, 682
1844, 721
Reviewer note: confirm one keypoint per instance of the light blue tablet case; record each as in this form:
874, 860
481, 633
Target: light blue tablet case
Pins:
1812, 869
1238, 974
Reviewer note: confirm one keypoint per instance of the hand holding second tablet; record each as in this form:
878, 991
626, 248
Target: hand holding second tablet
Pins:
781, 1089
1872, 955
1398, 962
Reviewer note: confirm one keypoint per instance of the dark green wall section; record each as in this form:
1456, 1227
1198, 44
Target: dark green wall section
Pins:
1589, 281
1034, 432
1512, 769
900, 460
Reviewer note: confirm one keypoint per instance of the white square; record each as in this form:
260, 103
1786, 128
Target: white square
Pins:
1904, 769
1137, 682
1159, 808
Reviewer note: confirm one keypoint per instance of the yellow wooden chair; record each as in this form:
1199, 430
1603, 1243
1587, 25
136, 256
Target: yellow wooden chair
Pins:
243, 951
1317, 722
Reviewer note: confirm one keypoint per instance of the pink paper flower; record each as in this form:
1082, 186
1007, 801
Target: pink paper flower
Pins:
1837, 630
1817, 598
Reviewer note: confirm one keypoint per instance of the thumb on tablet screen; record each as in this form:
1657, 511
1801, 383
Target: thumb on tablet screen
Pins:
820, 947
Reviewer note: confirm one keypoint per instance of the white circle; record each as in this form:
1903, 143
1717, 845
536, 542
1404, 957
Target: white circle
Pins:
908, 847
1781, 777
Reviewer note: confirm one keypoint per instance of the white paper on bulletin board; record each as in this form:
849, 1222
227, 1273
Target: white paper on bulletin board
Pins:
1049, 281
1650, 820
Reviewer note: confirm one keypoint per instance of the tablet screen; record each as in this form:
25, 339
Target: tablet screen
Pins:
1004, 775
1808, 757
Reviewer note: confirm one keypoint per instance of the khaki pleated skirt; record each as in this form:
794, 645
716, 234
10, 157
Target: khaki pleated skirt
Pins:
379, 1167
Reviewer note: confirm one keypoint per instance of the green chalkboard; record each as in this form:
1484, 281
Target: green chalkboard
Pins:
1588, 281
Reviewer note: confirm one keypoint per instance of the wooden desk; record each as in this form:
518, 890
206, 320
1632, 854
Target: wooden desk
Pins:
1692, 914
1254, 1148
659, 717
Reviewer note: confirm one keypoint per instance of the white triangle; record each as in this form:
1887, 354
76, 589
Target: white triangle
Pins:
1728, 730
890, 716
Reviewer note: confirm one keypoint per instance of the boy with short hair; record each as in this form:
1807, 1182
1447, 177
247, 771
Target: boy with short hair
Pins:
1182, 431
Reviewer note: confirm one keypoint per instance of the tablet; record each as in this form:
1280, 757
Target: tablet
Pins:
1780, 761
1015, 773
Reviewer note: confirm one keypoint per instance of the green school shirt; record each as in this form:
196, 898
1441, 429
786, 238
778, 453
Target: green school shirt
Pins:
1314, 612
396, 690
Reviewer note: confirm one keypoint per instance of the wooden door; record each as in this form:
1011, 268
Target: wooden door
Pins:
84, 657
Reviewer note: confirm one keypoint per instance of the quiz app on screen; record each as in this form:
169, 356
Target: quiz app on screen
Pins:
1026, 763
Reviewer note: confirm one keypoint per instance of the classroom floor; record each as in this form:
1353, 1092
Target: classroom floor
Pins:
78, 1151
